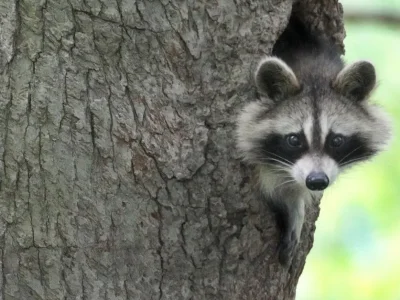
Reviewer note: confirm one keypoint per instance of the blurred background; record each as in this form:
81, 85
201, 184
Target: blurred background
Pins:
356, 253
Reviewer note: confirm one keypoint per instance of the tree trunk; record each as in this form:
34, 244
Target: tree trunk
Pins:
119, 174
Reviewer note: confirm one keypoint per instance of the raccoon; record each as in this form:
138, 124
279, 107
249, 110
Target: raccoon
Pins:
312, 121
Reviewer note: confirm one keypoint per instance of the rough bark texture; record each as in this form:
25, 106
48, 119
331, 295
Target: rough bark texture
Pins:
119, 176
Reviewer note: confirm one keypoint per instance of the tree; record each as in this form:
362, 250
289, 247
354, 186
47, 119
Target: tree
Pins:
119, 174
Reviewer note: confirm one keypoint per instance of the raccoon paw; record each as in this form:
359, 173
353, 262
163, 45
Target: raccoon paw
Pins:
287, 245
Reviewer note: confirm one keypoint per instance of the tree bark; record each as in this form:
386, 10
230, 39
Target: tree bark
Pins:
119, 174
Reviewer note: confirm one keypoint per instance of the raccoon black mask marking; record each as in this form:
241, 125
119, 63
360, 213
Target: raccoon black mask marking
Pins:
311, 122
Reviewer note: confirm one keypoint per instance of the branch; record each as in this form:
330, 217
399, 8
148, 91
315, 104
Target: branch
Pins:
385, 17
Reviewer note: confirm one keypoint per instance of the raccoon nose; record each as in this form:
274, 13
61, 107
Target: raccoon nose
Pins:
317, 181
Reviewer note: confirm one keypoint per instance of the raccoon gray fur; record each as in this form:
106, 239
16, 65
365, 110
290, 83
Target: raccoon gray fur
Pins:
311, 121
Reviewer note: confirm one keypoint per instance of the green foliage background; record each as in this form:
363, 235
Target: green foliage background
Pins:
356, 253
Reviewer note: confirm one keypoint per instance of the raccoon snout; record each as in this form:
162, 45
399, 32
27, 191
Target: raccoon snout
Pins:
317, 181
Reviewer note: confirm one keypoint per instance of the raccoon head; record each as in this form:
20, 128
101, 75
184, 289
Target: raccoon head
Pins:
308, 128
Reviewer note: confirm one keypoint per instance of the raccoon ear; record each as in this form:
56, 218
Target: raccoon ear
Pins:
356, 81
275, 79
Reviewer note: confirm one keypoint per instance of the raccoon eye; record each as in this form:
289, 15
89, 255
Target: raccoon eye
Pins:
294, 141
337, 141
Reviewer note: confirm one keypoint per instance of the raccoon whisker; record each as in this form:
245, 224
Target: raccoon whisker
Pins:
277, 160
274, 167
280, 157
284, 165
355, 160
347, 155
279, 170
284, 159
286, 182
267, 161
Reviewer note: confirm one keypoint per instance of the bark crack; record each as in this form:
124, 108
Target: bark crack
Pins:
6, 125
160, 249
3, 273
30, 209
41, 272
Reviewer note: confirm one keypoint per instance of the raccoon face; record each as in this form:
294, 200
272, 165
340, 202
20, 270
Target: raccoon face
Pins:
308, 131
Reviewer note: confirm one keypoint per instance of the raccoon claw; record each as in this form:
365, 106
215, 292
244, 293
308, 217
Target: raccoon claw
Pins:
286, 248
